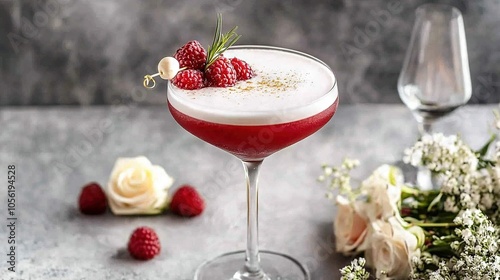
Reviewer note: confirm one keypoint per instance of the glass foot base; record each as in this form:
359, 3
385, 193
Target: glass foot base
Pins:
275, 266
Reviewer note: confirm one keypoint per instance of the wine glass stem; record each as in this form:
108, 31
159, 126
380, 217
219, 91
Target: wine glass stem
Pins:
252, 252
424, 176
425, 127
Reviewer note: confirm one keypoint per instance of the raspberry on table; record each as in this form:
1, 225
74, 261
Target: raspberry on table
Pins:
144, 244
189, 79
221, 73
92, 200
187, 202
243, 70
192, 55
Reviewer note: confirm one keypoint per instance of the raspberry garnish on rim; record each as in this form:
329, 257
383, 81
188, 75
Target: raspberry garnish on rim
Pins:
192, 55
198, 68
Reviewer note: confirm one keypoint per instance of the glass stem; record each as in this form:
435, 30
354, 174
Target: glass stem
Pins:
425, 127
252, 252
424, 175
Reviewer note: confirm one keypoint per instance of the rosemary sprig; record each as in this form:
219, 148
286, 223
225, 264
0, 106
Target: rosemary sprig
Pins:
221, 42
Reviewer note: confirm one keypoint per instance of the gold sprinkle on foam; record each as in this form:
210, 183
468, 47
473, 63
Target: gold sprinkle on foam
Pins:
268, 84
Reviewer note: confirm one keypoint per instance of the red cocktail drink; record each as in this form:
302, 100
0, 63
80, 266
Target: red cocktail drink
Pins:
253, 142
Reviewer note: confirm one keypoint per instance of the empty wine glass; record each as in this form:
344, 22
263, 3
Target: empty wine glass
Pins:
435, 79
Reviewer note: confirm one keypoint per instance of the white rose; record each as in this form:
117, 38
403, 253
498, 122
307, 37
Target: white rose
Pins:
392, 249
383, 190
138, 187
350, 227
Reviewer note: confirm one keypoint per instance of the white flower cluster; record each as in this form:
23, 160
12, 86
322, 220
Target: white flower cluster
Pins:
464, 182
476, 250
442, 153
441, 271
355, 271
340, 176
478, 247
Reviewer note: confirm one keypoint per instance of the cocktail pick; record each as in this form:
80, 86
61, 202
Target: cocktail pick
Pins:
168, 67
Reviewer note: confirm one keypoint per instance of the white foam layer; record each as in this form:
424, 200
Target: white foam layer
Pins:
289, 86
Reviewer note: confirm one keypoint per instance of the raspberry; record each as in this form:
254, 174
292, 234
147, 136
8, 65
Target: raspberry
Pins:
144, 244
189, 79
243, 70
92, 200
221, 73
187, 202
192, 55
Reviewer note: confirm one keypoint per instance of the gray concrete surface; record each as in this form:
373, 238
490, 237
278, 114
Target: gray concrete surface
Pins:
57, 150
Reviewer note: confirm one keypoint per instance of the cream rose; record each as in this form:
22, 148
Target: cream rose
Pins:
383, 190
138, 187
350, 227
392, 248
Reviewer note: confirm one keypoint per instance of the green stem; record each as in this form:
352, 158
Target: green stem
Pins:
410, 190
417, 192
441, 225
440, 249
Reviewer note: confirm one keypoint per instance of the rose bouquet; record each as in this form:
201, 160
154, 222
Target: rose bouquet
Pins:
408, 233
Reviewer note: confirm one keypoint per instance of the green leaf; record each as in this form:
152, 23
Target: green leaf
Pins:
392, 175
412, 220
435, 201
221, 42
484, 163
484, 149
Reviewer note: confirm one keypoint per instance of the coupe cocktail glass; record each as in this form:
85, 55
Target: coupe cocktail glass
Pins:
293, 96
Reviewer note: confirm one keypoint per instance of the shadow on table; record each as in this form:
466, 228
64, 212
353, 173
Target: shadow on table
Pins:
122, 254
327, 262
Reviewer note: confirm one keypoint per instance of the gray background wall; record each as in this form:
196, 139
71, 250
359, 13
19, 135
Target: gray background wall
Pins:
77, 52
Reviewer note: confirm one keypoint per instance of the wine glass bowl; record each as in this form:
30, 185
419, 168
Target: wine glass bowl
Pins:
435, 78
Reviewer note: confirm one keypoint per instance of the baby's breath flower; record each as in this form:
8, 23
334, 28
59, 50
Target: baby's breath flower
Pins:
476, 251
442, 153
339, 178
350, 164
478, 247
355, 271
465, 183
